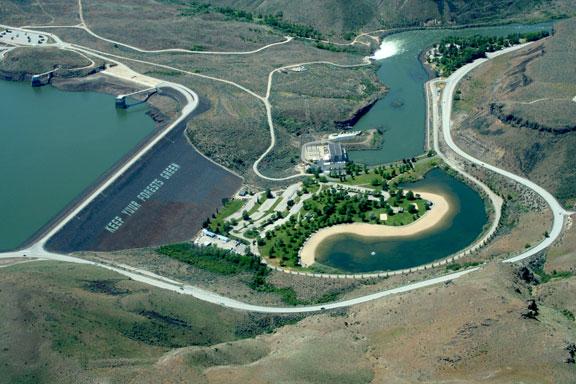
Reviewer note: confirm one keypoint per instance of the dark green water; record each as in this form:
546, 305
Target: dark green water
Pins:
53, 145
462, 226
401, 114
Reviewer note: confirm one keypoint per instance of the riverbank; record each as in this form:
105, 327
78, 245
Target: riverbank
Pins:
439, 210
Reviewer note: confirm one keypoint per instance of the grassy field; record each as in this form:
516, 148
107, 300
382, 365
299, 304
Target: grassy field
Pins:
449, 338
21, 61
46, 12
543, 155
173, 24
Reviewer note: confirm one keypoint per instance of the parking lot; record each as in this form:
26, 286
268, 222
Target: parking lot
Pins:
20, 37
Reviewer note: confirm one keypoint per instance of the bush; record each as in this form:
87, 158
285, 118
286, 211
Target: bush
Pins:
211, 258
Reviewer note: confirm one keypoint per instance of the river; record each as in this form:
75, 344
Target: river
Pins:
401, 114
53, 146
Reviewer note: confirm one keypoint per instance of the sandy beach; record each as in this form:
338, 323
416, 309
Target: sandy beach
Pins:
431, 218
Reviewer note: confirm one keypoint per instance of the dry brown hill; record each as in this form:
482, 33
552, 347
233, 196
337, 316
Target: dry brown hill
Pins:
520, 112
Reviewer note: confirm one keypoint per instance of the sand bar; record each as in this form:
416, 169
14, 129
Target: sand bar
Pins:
440, 208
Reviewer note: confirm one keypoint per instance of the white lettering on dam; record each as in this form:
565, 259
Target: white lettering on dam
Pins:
145, 195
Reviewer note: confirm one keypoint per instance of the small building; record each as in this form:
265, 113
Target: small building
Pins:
208, 233
222, 238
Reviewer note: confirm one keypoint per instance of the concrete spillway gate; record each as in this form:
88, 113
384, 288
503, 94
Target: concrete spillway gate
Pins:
42, 78
121, 100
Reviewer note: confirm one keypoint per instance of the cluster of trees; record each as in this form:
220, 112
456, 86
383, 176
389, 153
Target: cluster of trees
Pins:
299, 30
328, 207
275, 21
337, 48
228, 263
212, 259
454, 52
309, 185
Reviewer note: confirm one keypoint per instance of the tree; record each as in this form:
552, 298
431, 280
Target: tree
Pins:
245, 216
385, 185
410, 195
269, 194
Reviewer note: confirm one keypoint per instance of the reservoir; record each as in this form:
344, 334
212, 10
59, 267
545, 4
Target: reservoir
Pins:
54, 145
401, 114
464, 223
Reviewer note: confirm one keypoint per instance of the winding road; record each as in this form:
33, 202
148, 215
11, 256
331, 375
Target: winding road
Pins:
443, 108
558, 211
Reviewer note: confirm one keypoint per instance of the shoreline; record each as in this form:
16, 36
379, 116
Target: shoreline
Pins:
97, 83
429, 220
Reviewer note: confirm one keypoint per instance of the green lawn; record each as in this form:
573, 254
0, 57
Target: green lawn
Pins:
393, 174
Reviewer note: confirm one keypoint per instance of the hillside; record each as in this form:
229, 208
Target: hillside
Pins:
343, 17
64, 323
519, 112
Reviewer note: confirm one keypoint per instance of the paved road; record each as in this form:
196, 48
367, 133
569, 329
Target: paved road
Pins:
446, 104
268, 106
214, 298
85, 27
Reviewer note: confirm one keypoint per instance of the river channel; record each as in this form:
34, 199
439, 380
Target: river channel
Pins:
401, 114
